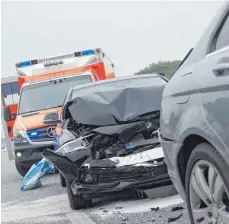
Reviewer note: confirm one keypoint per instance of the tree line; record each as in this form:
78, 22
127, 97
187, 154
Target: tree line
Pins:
166, 67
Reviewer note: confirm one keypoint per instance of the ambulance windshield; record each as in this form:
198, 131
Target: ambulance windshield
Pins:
48, 94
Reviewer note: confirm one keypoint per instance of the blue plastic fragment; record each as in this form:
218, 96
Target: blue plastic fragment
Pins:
129, 146
38, 170
149, 125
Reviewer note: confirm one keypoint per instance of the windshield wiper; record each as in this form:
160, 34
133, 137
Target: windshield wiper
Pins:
32, 111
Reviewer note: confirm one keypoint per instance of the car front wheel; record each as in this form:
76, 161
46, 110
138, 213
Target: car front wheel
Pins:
62, 180
207, 186
76, 201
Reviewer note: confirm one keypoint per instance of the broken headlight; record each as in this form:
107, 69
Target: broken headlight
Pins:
70, 147
88, 178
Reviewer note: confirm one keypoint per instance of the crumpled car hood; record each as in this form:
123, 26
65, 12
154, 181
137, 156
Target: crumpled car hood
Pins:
114, 106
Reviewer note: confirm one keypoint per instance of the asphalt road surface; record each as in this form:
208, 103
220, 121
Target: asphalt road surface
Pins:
49, 204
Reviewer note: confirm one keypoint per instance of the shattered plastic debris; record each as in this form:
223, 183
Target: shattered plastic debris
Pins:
118, 207
38, 170
132, 159
177, 208
173, 219
155, 209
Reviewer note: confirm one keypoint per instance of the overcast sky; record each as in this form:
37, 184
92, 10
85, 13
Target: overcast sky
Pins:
133, 34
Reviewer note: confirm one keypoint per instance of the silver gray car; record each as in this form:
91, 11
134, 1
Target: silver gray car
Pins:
195, 125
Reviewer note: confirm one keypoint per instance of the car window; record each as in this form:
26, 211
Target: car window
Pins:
223, 37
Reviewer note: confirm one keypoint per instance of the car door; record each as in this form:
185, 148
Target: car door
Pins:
212, 79
10, 96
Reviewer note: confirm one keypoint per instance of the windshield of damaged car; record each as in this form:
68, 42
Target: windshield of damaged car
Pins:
134, 82
48, 94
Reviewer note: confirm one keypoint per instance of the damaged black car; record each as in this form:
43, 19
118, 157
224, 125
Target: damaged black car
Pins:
109, 139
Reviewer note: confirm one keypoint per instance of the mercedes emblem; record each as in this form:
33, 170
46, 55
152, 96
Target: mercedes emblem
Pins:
51, 131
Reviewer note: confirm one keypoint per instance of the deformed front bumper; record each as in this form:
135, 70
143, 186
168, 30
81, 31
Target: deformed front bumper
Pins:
95, 177
106, 180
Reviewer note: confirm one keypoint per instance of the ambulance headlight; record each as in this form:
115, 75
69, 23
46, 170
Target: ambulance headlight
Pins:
19, 136
18, 154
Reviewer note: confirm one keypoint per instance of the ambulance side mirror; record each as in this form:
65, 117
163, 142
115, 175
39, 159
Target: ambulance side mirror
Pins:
7, 114
51, 118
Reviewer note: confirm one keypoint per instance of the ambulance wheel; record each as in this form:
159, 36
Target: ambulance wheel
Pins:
62, 181
21, 169
77, 201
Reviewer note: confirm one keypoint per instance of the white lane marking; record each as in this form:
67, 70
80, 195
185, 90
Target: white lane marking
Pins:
46, 219
81, 218
41, 208
138, 206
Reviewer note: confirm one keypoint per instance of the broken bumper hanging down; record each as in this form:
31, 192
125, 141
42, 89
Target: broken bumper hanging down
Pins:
95, 177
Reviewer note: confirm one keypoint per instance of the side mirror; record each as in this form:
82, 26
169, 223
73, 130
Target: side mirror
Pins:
7, 114
95, 66
162, 74
51, 118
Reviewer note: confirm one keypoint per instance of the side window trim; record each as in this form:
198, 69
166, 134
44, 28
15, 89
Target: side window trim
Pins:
212, 42
217, 51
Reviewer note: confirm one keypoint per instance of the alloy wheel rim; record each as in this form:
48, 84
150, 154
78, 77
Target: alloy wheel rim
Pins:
209, 197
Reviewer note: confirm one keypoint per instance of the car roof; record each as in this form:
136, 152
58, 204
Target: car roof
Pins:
115, 80
9, 79
91, 84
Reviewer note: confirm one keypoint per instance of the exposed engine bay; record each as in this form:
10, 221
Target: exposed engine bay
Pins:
116, 140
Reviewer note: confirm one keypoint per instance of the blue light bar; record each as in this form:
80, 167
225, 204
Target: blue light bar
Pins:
23, 64
87, 52
34, 134
57, 58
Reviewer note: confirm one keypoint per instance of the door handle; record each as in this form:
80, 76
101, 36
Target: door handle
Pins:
221, 69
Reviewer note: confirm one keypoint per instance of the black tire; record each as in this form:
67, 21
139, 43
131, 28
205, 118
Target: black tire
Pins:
62, 181
208, 153
77, 201
21, 169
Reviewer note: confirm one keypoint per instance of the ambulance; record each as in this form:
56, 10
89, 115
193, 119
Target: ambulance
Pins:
43, 85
